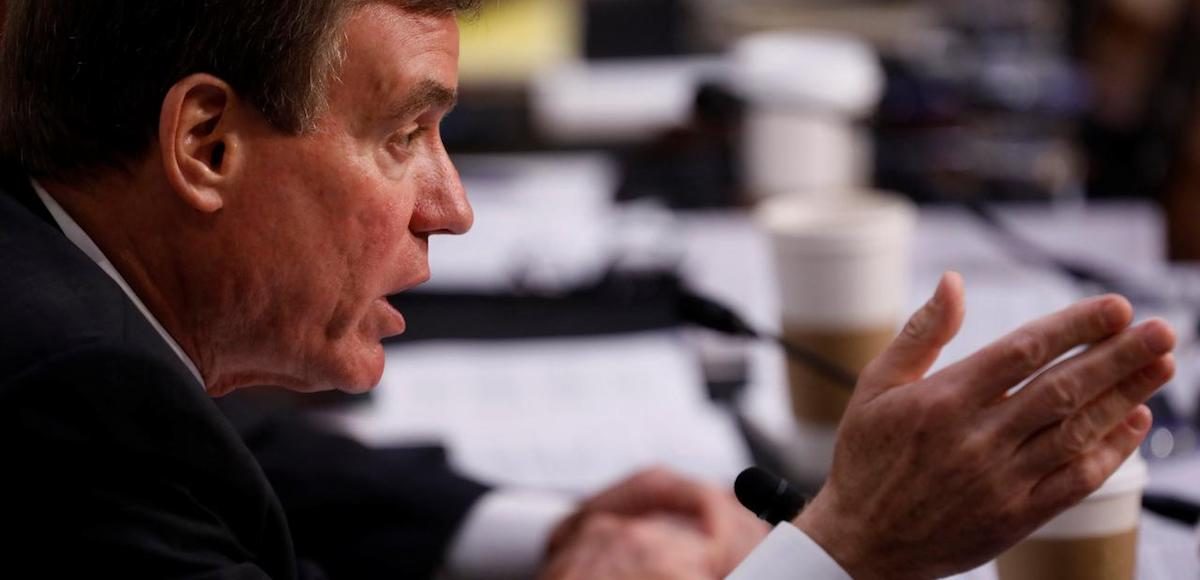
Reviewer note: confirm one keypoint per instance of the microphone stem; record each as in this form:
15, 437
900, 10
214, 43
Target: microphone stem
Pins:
833, 371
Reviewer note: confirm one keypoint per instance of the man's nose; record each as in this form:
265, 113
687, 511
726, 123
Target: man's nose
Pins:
443, 207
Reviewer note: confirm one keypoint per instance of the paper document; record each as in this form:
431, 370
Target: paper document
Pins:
569, 414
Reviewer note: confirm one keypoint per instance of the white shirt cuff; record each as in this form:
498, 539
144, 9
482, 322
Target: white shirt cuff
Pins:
786, 554
504, 536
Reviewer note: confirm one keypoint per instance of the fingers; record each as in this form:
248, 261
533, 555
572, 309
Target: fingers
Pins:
611, 547
916, 348
660, 490
1067, 387
654, 490
651, 490
1079, 478
711, 512
593, 538
995, 369
1068, 439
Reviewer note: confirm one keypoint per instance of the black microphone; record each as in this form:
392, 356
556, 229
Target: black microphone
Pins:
770, 497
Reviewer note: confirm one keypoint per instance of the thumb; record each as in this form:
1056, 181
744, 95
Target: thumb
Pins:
918, 345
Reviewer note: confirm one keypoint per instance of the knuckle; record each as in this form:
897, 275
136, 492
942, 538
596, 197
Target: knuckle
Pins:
1061, 395
1162, 371
972, 455
1101, 318
601, 525
1075, 436
1131, 352
1026, 351
1088, 476
655, 476
918, 325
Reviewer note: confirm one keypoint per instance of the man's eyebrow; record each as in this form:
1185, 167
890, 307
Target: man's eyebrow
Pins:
427, 94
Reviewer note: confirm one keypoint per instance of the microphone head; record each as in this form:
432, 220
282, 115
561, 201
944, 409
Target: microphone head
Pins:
756, 488
770, 497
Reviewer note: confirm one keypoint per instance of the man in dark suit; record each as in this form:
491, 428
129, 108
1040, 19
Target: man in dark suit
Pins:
127, 307
99, 424
357, 512
202, 196
117, 459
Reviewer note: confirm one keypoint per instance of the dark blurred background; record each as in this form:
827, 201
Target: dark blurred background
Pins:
982, 99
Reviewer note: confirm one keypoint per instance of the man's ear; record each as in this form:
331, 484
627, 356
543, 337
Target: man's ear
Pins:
200, 140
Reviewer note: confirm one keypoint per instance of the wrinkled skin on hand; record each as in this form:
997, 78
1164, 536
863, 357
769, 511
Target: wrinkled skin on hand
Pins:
938, 474
610, 547
656, 524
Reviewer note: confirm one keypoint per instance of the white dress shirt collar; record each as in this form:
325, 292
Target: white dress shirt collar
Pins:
85, 243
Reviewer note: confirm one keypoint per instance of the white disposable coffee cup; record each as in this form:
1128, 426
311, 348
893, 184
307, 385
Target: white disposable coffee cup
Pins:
842, 264
842, 261
1096, 539
1115, 507
807, 94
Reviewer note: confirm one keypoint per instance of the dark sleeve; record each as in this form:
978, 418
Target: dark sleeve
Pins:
359, 512
115, 467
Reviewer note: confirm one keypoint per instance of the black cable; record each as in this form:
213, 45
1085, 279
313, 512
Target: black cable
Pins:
837, 373
708, 313
1029, 252
1173, 508
616, 302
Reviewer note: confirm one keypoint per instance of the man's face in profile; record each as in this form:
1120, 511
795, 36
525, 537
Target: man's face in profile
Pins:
344, 212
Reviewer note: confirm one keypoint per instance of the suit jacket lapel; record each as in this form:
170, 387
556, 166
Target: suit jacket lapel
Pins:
16, 184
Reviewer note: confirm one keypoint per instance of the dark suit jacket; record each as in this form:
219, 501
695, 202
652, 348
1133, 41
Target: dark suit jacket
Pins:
115, 462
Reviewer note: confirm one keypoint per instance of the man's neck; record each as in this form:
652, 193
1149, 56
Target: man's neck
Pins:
124, 235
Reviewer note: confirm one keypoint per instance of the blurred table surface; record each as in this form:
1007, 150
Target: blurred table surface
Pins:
577, 414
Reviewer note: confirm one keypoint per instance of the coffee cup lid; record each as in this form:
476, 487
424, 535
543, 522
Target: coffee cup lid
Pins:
857, 220
817, 70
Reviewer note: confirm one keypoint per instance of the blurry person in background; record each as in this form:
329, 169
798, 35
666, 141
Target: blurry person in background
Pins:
203, 196
1141, 135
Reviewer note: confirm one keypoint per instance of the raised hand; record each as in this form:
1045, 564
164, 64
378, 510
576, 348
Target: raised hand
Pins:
937, 474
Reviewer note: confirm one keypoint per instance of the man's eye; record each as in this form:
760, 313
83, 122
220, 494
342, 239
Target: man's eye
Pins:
407, 139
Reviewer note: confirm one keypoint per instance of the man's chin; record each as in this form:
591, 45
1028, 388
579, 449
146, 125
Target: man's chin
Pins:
347, 388
344, 386
340, 367
354, 370
361, 372
357, 389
